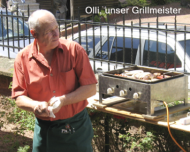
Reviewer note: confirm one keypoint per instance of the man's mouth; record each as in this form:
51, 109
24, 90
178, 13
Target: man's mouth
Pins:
55, 40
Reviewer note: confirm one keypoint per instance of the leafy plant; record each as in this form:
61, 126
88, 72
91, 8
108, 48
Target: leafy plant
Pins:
96, 18
24, 118
139, 142
140, 3
159, 2
131, 135
102, 14
12, 102
10, 85
23, 149
1, 124
184, 2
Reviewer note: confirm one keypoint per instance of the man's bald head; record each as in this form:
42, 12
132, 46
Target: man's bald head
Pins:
33, 20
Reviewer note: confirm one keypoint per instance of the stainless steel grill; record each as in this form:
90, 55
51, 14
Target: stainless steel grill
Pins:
145, 93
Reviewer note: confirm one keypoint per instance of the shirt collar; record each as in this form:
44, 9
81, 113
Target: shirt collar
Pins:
33, 50
60, 47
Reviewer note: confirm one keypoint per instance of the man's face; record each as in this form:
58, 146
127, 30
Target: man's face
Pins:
48, 33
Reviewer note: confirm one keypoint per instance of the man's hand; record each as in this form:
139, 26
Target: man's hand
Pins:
55, 103
41, 109
54, 106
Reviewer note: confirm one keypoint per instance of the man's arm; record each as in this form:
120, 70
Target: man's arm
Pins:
38, 108
79, 94
41, 108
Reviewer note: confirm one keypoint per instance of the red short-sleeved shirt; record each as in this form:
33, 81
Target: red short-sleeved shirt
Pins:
70, 68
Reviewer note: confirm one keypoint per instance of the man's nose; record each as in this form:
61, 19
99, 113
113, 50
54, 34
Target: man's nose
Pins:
55, 32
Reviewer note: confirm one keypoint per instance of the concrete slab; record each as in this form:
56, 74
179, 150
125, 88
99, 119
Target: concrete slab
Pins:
6, 66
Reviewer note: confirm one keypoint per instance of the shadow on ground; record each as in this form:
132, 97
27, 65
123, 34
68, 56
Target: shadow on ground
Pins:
11, 141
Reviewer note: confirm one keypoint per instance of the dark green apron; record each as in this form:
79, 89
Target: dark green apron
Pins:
70, 135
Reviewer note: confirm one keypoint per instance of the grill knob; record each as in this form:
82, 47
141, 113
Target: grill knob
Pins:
110, 90
136, 95
122, 92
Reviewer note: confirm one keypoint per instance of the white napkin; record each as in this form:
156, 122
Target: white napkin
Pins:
56, 102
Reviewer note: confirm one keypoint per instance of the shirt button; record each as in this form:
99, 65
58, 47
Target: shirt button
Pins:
51, 74
53, 91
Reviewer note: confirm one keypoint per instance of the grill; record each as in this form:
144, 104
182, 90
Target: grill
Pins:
143, 95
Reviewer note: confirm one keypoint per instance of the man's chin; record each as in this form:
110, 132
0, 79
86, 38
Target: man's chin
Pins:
55, 44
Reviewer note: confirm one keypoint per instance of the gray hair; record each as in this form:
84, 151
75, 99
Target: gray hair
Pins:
33, 20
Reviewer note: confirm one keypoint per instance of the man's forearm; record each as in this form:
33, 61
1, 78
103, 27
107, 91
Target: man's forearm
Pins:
79, 94
38, 108
26, 103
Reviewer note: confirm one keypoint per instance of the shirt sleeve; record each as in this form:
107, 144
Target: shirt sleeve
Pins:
18, 85
83, 68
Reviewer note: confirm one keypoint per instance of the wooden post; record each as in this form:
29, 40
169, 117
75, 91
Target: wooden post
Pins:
72, 9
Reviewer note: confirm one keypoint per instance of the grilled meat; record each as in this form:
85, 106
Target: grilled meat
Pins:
143, 76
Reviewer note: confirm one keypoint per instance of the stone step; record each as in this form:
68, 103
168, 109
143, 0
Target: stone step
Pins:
19, 1
26, 12
30, 1
31, 6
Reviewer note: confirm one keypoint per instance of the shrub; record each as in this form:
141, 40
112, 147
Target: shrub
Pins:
159, 2
131, 135
23, 149
140, 3
184, 2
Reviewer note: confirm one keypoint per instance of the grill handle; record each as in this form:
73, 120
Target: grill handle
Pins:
166, 73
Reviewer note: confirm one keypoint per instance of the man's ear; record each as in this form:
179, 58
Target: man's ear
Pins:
34, 34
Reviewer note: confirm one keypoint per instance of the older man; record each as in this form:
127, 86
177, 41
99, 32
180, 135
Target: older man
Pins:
54, 69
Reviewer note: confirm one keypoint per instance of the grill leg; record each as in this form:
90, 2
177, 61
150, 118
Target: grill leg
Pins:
148, 108
100, 97
186, 101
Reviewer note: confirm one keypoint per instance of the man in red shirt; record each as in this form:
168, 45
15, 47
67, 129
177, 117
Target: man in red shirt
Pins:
54, 69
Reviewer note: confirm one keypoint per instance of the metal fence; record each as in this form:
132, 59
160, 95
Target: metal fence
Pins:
161, 45
109, 45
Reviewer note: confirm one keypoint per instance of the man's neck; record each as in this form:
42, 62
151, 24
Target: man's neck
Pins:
48, 54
